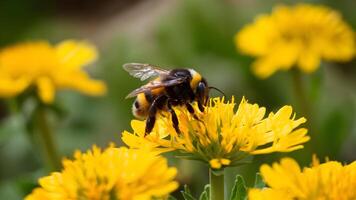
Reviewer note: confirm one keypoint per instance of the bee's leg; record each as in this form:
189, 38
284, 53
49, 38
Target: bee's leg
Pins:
200, 106
157, 103
190, 108
191, 111
174, 117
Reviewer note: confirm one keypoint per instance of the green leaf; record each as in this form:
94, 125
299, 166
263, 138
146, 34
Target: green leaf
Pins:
58, 110
171, 197
218, 172
259, 183
187, 194
239, 191
205, 195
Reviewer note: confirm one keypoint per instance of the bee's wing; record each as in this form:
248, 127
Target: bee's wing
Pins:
144, 71
156, 84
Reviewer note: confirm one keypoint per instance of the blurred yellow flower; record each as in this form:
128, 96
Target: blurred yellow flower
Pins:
300, 35
47, 68
330, 180
115, 173
222, 137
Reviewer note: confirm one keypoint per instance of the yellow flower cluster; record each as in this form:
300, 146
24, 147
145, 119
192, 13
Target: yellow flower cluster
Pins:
300, 35
115, 173
47, 68
222, 136
330, 180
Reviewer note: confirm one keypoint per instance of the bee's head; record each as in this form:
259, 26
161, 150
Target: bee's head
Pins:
202, 92
201, 88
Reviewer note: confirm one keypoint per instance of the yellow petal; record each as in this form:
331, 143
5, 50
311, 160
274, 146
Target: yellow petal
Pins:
46, 89
309, 61
75, 54
267, 193
225, 161
255, 39
79, 80
138, 127
264, 67
38, 194
215, 163
12, 87
288, 169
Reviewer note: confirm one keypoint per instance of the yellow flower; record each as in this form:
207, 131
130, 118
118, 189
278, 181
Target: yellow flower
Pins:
115, 173
300, 35
222, 136
218, 163
330, 180
47, 68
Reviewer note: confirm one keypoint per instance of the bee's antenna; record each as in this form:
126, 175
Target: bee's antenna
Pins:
217, 89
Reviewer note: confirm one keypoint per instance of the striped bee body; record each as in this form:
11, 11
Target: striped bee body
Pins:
170, 88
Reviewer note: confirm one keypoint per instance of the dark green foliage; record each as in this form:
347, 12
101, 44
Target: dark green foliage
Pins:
205, 195
239, 190
259, 183
171, 198
187, 195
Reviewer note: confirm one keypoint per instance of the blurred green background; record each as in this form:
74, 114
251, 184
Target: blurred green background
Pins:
186, 33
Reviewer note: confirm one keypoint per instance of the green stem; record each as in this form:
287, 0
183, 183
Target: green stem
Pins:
47, 140
13, 106
300, 93
216, 186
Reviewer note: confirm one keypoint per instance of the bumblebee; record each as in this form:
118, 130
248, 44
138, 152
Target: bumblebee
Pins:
169, 88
